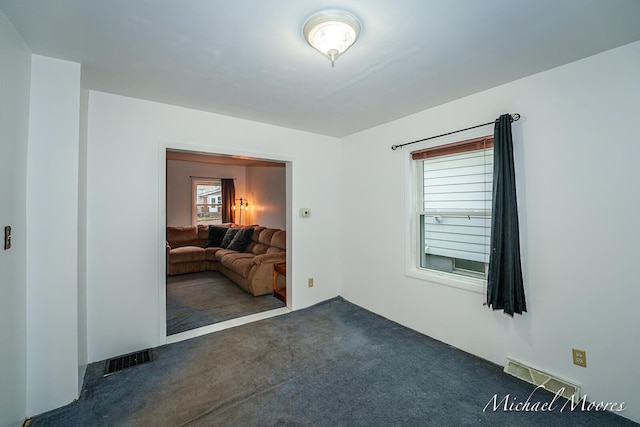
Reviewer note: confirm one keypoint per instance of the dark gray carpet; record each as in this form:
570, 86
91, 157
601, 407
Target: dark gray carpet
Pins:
199, 299
333, 364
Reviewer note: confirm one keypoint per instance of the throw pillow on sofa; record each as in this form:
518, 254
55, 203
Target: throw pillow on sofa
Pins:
228, 237
216, 235
241, 240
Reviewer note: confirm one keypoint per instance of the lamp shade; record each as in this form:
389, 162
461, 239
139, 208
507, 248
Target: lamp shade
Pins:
331, 32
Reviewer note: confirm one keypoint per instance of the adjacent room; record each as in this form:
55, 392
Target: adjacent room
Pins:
317, 213
206, 193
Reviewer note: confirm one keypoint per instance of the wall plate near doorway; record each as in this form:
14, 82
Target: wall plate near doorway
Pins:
7, 237
305, 212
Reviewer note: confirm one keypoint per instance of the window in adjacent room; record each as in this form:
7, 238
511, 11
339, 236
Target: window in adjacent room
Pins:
207, 201
455, 186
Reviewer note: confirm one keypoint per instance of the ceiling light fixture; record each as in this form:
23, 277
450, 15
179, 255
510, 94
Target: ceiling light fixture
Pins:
331, 32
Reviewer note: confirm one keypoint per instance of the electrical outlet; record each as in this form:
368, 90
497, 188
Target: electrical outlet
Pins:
310, 282
7, 237
579, 357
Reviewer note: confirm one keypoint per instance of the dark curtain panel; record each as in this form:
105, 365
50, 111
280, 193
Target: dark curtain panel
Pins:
228, 199
505, 290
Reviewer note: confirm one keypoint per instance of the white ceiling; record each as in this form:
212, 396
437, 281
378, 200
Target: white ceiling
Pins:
247, 58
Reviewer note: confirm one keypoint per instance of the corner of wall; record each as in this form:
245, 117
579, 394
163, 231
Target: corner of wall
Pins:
15, 63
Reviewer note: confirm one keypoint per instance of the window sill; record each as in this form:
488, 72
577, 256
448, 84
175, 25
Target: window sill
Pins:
447, 279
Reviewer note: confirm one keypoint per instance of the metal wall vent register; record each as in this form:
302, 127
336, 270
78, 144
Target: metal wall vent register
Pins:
127, 361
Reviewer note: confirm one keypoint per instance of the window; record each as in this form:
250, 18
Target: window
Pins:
207, 198
455, 185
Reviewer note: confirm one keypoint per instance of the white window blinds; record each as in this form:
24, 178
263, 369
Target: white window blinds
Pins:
456, 204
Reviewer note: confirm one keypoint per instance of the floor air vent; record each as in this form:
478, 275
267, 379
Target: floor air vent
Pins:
550, 382
127, 361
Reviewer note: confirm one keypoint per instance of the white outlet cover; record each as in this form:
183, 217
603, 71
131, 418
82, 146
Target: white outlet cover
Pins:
305, 212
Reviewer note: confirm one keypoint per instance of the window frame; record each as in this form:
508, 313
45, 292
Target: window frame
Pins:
413, 205
194, 193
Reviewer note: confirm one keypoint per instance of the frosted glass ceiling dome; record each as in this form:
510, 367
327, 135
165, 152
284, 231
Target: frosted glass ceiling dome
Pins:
331, 32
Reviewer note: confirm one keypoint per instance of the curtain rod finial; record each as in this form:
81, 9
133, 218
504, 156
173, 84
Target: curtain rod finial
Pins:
394, 147
515, 117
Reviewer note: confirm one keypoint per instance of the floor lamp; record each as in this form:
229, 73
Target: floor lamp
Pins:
244, 204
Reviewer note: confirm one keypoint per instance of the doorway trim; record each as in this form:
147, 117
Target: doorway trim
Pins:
163, 146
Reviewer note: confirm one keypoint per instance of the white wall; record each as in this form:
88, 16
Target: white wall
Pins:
266, 189
179, 198
125, 210
15, 65
52, 234
576, 152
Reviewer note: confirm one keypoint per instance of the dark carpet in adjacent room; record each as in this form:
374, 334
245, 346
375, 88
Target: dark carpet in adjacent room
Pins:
200, 299
332, 364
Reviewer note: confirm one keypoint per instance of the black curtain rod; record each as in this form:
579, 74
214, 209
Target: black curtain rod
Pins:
514, 118
207, 177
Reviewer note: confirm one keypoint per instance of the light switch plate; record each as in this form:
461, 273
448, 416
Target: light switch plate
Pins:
7, 237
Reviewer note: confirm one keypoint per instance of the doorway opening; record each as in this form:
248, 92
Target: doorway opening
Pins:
207, 286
